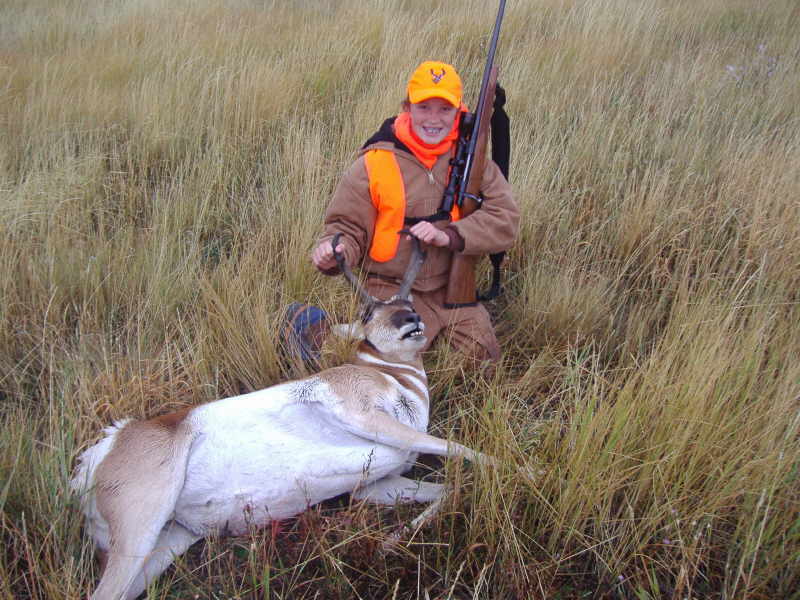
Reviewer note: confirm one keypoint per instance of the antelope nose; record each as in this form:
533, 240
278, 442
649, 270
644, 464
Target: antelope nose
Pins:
402, 318
412, 318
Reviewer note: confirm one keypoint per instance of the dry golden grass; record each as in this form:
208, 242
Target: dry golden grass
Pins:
163, 171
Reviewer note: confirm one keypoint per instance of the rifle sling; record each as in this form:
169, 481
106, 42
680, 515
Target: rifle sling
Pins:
440, 215
501, 154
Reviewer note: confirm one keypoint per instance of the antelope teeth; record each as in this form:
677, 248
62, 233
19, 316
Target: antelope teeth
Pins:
413, 334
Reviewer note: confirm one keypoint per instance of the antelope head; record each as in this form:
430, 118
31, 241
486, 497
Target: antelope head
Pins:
392, 327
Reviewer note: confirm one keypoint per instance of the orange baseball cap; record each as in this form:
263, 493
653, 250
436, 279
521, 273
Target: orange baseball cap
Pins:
434, 79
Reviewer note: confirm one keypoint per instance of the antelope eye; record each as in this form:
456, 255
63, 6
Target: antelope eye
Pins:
367, 315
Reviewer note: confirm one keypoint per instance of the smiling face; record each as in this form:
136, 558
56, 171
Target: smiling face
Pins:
432, 119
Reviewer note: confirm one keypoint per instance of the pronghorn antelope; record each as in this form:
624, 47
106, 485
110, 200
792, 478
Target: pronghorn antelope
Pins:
150, 489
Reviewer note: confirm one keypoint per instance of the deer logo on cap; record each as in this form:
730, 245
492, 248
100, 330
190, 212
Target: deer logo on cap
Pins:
437, 77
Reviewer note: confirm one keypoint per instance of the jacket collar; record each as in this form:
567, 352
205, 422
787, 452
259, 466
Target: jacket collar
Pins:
386, 134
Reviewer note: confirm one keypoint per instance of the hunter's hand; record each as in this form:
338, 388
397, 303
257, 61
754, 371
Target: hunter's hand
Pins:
322, 256
428, 233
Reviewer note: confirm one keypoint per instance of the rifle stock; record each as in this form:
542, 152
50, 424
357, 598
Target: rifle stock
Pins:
461, 286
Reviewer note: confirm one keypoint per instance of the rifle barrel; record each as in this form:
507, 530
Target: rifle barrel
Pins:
473, 140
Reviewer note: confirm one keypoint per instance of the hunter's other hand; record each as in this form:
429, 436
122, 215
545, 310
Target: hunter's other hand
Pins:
428, 233
322, 256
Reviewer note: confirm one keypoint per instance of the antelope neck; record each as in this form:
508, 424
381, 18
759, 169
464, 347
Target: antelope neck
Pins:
369, 355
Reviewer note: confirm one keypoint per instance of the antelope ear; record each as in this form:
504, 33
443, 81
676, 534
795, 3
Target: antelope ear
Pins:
349, 330
396, 297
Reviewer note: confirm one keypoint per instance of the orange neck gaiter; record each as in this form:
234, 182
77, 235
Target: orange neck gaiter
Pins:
426, 153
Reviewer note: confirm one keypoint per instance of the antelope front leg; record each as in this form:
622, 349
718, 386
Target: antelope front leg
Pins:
395, 489
379, 427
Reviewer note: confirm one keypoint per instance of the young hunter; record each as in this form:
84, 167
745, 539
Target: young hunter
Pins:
398, 181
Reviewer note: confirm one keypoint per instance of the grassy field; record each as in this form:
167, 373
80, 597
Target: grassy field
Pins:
163, 172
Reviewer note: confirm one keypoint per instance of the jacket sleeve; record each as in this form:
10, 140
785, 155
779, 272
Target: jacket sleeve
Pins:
352, 214
494, 226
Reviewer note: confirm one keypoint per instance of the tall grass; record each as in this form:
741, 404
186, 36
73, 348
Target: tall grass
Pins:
163, 172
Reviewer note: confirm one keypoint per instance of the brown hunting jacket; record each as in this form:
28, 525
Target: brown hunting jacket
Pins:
492, 228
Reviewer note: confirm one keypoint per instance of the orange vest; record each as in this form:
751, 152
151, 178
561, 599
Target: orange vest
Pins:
388, 193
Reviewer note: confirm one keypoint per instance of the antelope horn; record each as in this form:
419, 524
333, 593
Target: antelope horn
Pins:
414, 265
348, 274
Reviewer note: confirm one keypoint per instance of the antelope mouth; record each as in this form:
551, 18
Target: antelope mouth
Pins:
416, 331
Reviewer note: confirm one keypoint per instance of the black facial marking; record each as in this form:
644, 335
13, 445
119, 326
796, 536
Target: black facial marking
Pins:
404, 317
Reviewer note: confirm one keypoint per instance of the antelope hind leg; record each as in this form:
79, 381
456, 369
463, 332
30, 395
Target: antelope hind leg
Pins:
136, 487
173, 541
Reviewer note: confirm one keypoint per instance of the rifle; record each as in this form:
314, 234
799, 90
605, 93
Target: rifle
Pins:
466, 176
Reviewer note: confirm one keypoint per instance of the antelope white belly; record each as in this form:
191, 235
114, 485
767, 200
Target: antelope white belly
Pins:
273, 460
